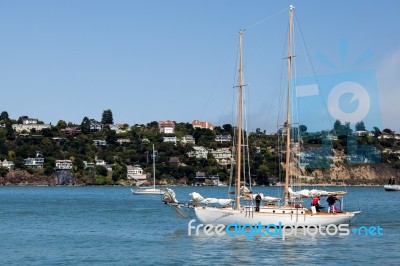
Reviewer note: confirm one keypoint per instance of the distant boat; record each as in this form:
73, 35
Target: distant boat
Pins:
392, 187
150, 190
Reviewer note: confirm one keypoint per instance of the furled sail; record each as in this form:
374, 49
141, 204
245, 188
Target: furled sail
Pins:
310, 193
197, 198
169, 196
170, 199
265, 198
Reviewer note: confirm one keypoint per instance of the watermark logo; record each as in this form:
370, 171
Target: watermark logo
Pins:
249, 231
350, 97
368, 231
357, 95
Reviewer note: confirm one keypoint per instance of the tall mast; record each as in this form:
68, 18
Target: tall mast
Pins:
239, 135
154, 169
288, 125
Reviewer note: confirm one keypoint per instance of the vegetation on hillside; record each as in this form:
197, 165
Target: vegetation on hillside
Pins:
60, 142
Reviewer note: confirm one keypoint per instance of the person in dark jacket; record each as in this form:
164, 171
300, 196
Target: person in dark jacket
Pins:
331, 202
258, 201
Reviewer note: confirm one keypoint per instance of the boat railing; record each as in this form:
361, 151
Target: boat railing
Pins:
249, 210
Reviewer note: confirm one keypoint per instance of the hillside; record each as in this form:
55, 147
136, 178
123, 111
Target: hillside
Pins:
100, 154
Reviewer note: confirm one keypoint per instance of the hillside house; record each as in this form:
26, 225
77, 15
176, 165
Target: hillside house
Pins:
223, 156
223, 138
201, 124
188, 139
36, 162
167, 127
198, 152
170, 139
135, 172
7, 164
99, 142
64, 164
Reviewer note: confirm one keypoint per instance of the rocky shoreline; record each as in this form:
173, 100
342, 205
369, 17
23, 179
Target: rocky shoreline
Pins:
341, 175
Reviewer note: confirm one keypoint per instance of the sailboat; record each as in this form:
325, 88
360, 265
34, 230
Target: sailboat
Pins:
150, 190
287, 212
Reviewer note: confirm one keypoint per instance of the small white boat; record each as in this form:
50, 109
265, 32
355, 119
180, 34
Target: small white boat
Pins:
392, 187
150, 190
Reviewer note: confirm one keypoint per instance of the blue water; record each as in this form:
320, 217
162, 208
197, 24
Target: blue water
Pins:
110, 226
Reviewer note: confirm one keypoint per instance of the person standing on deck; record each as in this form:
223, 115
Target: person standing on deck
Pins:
331, 201
315, 202
258, 201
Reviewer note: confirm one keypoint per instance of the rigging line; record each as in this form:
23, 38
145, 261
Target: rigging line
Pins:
312, 66
232, 164
235, 77
297, 115
265, 19
283, 84
233, 112
246, 151
245, 140
278, 94
281, 114
214, 89
280, 159
315, 76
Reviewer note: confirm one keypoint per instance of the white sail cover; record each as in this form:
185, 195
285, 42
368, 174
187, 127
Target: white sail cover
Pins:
197, 198
169, 196
244, 189
265, 198
170, 199
250, 196
311, 193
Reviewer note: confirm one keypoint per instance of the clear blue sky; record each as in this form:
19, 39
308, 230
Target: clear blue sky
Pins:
176, 60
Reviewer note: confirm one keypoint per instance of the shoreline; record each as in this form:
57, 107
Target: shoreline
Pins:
174, 185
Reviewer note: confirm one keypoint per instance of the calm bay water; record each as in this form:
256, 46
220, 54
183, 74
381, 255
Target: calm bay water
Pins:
110, 226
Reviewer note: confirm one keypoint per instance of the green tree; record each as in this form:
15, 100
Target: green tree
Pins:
10, 131
4, 116
85, 125
61, 124
341, 130
228, 128
388, 131
79, 164
111, 136
107, 117
49, 164
47, 147
303, 128
204, 137
101, 170
47, 132
3, 171
376, 132
360, 126
115, 177
337, 126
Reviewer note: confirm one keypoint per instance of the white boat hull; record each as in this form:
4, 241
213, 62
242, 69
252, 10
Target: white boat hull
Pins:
392, 187
277, 216
148, 191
